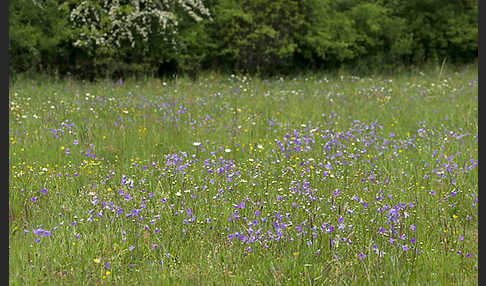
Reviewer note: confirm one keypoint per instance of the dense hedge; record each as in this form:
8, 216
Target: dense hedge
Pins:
254, 36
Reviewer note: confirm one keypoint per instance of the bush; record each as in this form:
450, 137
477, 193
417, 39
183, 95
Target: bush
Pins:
440, 29
38, 38
256, 36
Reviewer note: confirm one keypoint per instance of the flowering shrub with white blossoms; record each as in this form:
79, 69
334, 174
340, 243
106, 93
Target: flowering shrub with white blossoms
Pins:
112, 24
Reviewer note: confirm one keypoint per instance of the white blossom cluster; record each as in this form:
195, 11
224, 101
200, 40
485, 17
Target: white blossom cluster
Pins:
109, 23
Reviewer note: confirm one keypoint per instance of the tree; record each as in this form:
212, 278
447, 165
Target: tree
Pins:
130, 34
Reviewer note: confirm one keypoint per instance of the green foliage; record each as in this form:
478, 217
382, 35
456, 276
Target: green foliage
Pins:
194, 48
328, 35
256, 36
38, 39
114, 39
440, 29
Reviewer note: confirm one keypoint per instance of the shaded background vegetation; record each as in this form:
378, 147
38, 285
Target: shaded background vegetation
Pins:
256, 37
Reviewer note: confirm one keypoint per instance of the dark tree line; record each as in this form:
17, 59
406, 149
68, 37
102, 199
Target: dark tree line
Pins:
248, 36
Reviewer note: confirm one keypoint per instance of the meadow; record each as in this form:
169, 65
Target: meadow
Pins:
233, 180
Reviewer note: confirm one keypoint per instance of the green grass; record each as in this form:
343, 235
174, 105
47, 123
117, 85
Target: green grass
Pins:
261, 147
